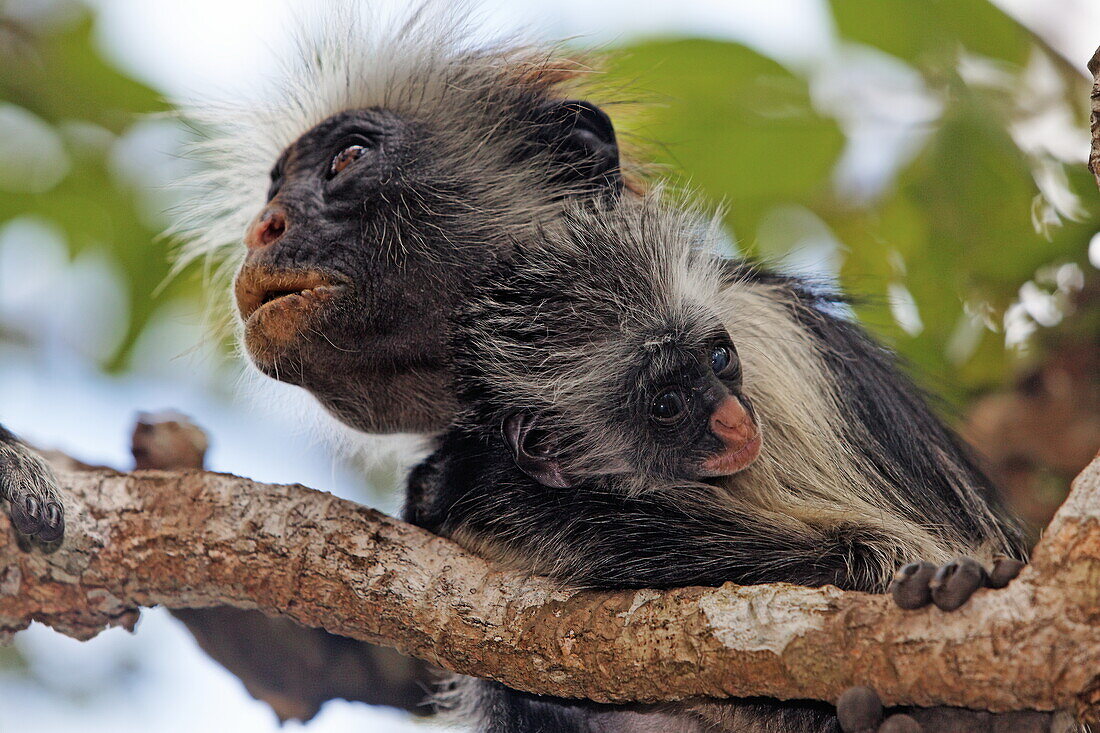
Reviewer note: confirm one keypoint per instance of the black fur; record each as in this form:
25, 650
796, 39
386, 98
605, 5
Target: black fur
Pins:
890, 420
592, 535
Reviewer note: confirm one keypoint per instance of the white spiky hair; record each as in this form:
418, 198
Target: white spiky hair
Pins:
429, 61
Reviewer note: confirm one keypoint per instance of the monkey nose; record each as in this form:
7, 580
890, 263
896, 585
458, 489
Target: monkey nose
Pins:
731, 422
268, 228
734, 426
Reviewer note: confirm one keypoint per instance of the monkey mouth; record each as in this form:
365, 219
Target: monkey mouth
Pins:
278, 307
259, 290
735, 458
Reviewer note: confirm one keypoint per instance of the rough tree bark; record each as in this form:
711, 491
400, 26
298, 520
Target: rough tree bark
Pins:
195, 539
293, 668
1094, 117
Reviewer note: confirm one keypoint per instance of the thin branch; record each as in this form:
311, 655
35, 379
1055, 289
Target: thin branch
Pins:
1094, 116
195, 539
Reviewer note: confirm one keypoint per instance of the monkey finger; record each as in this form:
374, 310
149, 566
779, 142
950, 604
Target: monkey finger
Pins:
910, 586
1005, 569
859, 710
53, 523
900, 724
26, 513
955, 582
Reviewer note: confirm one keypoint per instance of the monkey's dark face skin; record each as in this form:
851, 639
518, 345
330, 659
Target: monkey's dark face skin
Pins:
371, 237
682, 411
694, 420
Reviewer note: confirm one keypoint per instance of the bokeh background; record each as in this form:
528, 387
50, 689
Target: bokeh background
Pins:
930, 157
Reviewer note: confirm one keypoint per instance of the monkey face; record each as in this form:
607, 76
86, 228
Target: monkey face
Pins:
686, 418
696, 419
375, 228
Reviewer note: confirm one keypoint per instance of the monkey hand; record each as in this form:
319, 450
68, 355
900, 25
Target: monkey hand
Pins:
859, 710
949, 586
34, 500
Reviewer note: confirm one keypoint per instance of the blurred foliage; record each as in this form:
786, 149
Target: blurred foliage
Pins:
71, 108
962, 226
739, 124
957, 229
929, 34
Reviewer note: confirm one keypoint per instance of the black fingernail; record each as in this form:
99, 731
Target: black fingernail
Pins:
910, 586
955, 582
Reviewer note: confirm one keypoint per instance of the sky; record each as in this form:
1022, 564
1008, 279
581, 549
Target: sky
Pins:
182, 46
156, 678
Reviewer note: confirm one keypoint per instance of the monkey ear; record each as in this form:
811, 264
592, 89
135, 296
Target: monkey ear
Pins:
582, 138
521, 436
590, 126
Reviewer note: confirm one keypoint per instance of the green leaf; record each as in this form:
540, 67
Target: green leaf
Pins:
930, 32
738, 124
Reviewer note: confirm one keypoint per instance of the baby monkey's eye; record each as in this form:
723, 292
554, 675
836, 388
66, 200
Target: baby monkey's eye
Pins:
720, 358
668, 407
344, 158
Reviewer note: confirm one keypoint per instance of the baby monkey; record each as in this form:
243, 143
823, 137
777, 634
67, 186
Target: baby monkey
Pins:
601, 400
610, 435
593, 375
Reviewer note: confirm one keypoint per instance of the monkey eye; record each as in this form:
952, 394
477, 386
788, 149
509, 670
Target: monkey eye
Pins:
668, 407
719, 358
723, 360
344, 158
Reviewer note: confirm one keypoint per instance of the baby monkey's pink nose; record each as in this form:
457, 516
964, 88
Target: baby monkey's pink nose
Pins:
731, 422
734, 426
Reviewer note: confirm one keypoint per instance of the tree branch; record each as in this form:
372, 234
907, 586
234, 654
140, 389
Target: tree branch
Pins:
1094, 116
293, 668
195, 539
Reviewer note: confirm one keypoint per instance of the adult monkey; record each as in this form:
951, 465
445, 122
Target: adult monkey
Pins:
441, 151
395, 171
